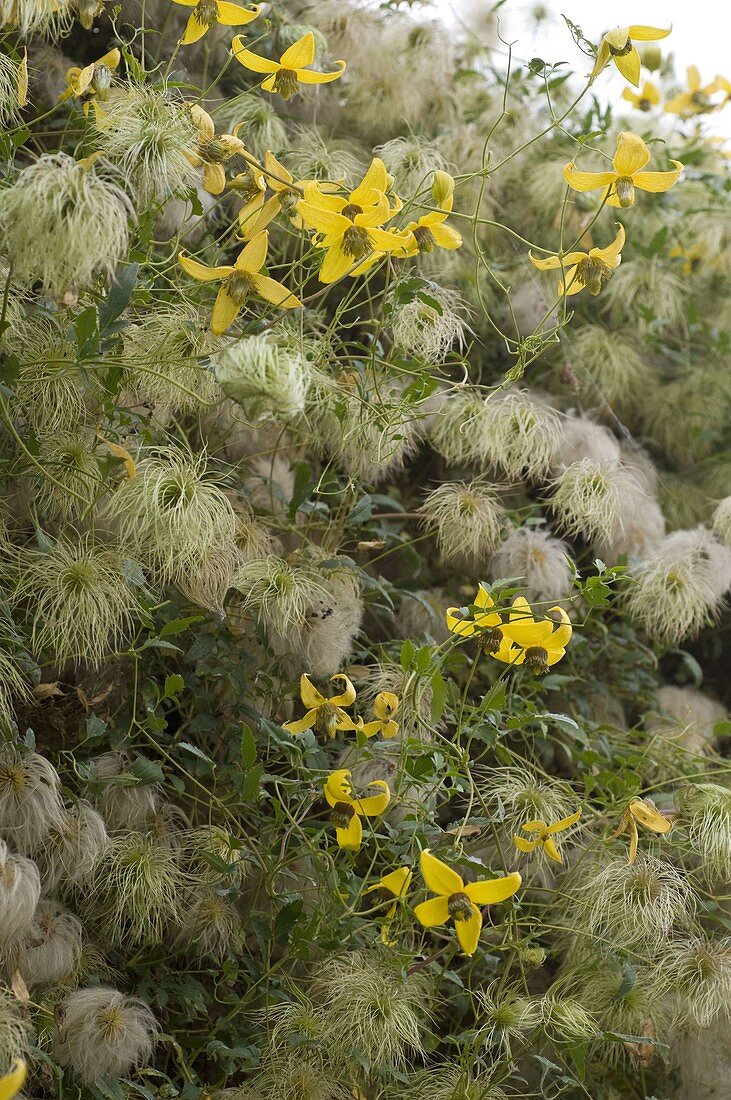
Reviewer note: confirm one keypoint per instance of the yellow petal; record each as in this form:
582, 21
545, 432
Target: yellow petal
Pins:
121, 453
337, 787
12, 1082
648, 34
562, 635
553, 262
446, 237
632, 154
309, 76
384, 240
492, 891
374, 184
257, 215
570, 284
389, 730
343, 721
214, 178
483, 597
202, 271
439, 878
110, 59
194, 30
251, 60
633, 840
309, 694
375, 804
432, 912
694, 77
629, 66
564, 823
253, 256
549, 847
301, 724
276, 293
233, 15
611, 255
300, 54
586, 181
335, 265
466, 628
468, 932
603, 58
324, 221
526, 845
386, 705
397, 881
225, 312
347, 697
23, 80
351, 837
658, 181
648, 816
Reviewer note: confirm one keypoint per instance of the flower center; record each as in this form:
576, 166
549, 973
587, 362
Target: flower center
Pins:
288, 200
206, 13
351, 211
618, 49
536, 660
424, 238
285, 82
327, 720
460, 906
101, 81
342, 815
240, 286
593, 273
356, 242
491, 639
215, 150
644, 105
624, 189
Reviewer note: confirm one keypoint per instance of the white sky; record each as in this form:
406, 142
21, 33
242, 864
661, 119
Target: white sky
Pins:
701, 33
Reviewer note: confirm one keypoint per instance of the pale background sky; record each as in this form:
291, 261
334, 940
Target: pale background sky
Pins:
701, 34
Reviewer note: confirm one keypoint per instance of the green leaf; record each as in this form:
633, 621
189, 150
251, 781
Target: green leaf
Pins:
120, 292
177, 626
174, 684
195, 751
147, 771
248, 746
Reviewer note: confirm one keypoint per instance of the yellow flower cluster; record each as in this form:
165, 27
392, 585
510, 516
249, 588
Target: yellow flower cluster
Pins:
328, 716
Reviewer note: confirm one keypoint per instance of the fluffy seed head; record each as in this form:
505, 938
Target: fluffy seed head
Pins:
412, 161
82, 599
14, 685
123, 807
281, 593
701, 976
51, 391
30, 802
685, 717
14, 1030
50, 950
268, 378
539, 559
36, 15
9, 79
705, 815
103, 1032
430, 323
20, 889
566, 1019
147, 132
583, 438
458, 427
595, 499
467, 518
505, 1015
523, 796
722, 521
139, 888
612, 361
641, 287
324, 642
414, 692
455, 1083
71, 461
312, 156
73, 848
636, 537
163, 354
518, 434
210, 928
262, 129
61, 223
680, 586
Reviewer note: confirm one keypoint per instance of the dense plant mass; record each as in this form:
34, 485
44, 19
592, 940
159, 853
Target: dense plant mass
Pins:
365, 538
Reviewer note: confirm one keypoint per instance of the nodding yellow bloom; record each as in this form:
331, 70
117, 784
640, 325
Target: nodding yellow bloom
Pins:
644, 811
619, 185
208, 13
644, 100
692, 257
486, 625
695, 101
391, 889
326, 716
259, 211
535, 643
251, 186
241, 281
618, 46
544, 835
584, 269
92, 82
459, 901
212, 151
284, 75
12, 1082
385, 706
348, 227
348, 810
429, 231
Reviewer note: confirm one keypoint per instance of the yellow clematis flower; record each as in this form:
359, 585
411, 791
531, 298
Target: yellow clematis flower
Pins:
620, 184
544, 835
12, 1083
326, 716
429, 231
241, 280
644, 811
647, 98
385, 706
259, 211
92, 82
695, 101
536, 643
618, 46
284, 75
348, 810
584, 269
212, 151
459, 901
391, 889
692, 257
208, 13
486, 625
